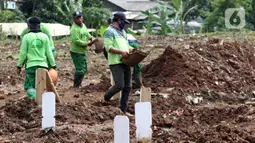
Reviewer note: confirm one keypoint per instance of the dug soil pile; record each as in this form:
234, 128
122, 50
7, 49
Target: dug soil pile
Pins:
206, 66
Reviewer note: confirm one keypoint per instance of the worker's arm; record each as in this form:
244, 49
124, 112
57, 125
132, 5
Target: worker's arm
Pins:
23, 52
47, 31
109, 47
24, 32
76, 38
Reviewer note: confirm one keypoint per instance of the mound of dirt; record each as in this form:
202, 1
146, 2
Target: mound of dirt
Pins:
102, 86
210, 66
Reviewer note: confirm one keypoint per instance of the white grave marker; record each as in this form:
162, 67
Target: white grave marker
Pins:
48, 110
143, 121
121, 129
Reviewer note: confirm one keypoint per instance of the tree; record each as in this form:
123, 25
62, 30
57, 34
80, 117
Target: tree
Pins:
250, 10
96, 17
216, 18
160, 16
182, 11
56, 10
11, 16
203, 8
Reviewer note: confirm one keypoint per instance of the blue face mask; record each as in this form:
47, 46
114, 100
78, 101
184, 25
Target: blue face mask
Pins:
121, 25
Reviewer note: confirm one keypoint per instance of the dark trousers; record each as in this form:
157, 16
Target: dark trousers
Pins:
137, 78
121, 74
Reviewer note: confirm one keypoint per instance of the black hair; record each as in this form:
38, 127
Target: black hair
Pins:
115, 19
34, 24
33, 20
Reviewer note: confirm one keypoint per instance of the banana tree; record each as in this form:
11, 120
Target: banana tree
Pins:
58, 10
161, 15
66, 8
182, 10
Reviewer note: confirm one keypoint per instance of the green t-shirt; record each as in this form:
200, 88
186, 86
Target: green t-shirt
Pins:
134, 43
79, 38
114, 38
44, 30
35, 51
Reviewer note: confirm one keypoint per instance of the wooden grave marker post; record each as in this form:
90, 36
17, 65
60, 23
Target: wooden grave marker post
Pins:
43, 82
145, 94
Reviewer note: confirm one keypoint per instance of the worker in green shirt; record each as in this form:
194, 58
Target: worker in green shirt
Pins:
137, 70
35, 52
117, 47
44, 29
80, 40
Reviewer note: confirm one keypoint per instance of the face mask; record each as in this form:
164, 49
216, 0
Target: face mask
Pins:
121, 25
78, 23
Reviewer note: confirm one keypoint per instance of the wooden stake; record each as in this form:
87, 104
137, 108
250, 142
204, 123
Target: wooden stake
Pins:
145, 94
50, 85
40, 85
43, 80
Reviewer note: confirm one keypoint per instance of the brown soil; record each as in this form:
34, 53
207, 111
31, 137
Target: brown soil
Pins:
206, 66
222, 74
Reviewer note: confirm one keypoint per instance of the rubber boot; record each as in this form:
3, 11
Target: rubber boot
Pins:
77, 80
31, 92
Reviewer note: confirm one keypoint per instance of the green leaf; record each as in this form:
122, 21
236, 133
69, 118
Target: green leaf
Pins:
177, 3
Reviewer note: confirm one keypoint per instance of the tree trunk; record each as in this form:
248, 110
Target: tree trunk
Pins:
182, 27
33, 11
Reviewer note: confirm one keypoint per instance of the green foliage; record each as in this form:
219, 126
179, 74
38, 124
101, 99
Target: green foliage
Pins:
216, 18
250, 17
92, 3
11, 16
177, 10
182, 10
160, 17
95, 17
132, 32
59, 11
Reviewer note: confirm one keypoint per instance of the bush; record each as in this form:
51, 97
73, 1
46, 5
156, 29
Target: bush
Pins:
11, 16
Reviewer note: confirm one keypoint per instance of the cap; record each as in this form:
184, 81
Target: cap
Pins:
121, 15
33, 20
77, 14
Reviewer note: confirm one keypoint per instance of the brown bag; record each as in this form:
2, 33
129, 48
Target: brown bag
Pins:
134, 58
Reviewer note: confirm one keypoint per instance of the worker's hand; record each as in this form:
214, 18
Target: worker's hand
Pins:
124, 55
91, 42
18, 70
131, 50
54, 67
134, 50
